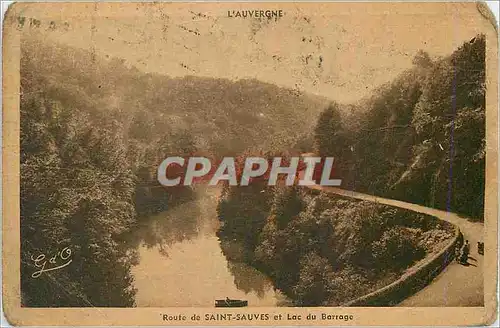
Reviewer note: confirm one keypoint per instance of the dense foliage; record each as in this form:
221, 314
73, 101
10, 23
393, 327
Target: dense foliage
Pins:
76, 192
420, 138
323, 249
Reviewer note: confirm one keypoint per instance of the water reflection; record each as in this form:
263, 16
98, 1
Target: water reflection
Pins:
247, 282
181, 262
169, 227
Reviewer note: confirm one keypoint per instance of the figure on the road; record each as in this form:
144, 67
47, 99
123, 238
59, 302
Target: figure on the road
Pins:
458, 247
480, 248
460, 239
465, 253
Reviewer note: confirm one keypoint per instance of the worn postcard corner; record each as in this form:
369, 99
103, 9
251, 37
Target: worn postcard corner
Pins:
260, 164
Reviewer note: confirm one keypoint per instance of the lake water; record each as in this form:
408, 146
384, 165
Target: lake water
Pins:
181, 262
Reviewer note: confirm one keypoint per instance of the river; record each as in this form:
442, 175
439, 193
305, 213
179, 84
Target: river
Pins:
181, 262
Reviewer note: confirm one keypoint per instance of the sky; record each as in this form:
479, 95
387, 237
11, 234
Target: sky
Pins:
340, 51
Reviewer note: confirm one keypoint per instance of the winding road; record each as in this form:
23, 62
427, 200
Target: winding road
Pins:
456, 285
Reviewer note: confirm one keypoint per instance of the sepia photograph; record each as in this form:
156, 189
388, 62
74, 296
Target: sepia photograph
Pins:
250, 163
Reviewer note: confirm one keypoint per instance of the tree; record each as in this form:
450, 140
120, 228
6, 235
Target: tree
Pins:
312, 286
287, 204
329, 134
422, 59
397, 248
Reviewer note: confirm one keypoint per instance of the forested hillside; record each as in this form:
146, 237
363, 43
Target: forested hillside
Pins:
420, 138
93, 131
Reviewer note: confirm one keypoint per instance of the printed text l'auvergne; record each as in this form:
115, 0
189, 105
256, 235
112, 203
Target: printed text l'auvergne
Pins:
255, 13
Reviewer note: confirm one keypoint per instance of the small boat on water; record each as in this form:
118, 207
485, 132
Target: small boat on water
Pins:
230, 303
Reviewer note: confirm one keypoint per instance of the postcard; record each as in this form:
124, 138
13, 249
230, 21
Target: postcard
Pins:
260, 164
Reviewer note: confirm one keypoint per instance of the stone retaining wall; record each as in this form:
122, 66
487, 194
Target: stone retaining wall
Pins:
416, 278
